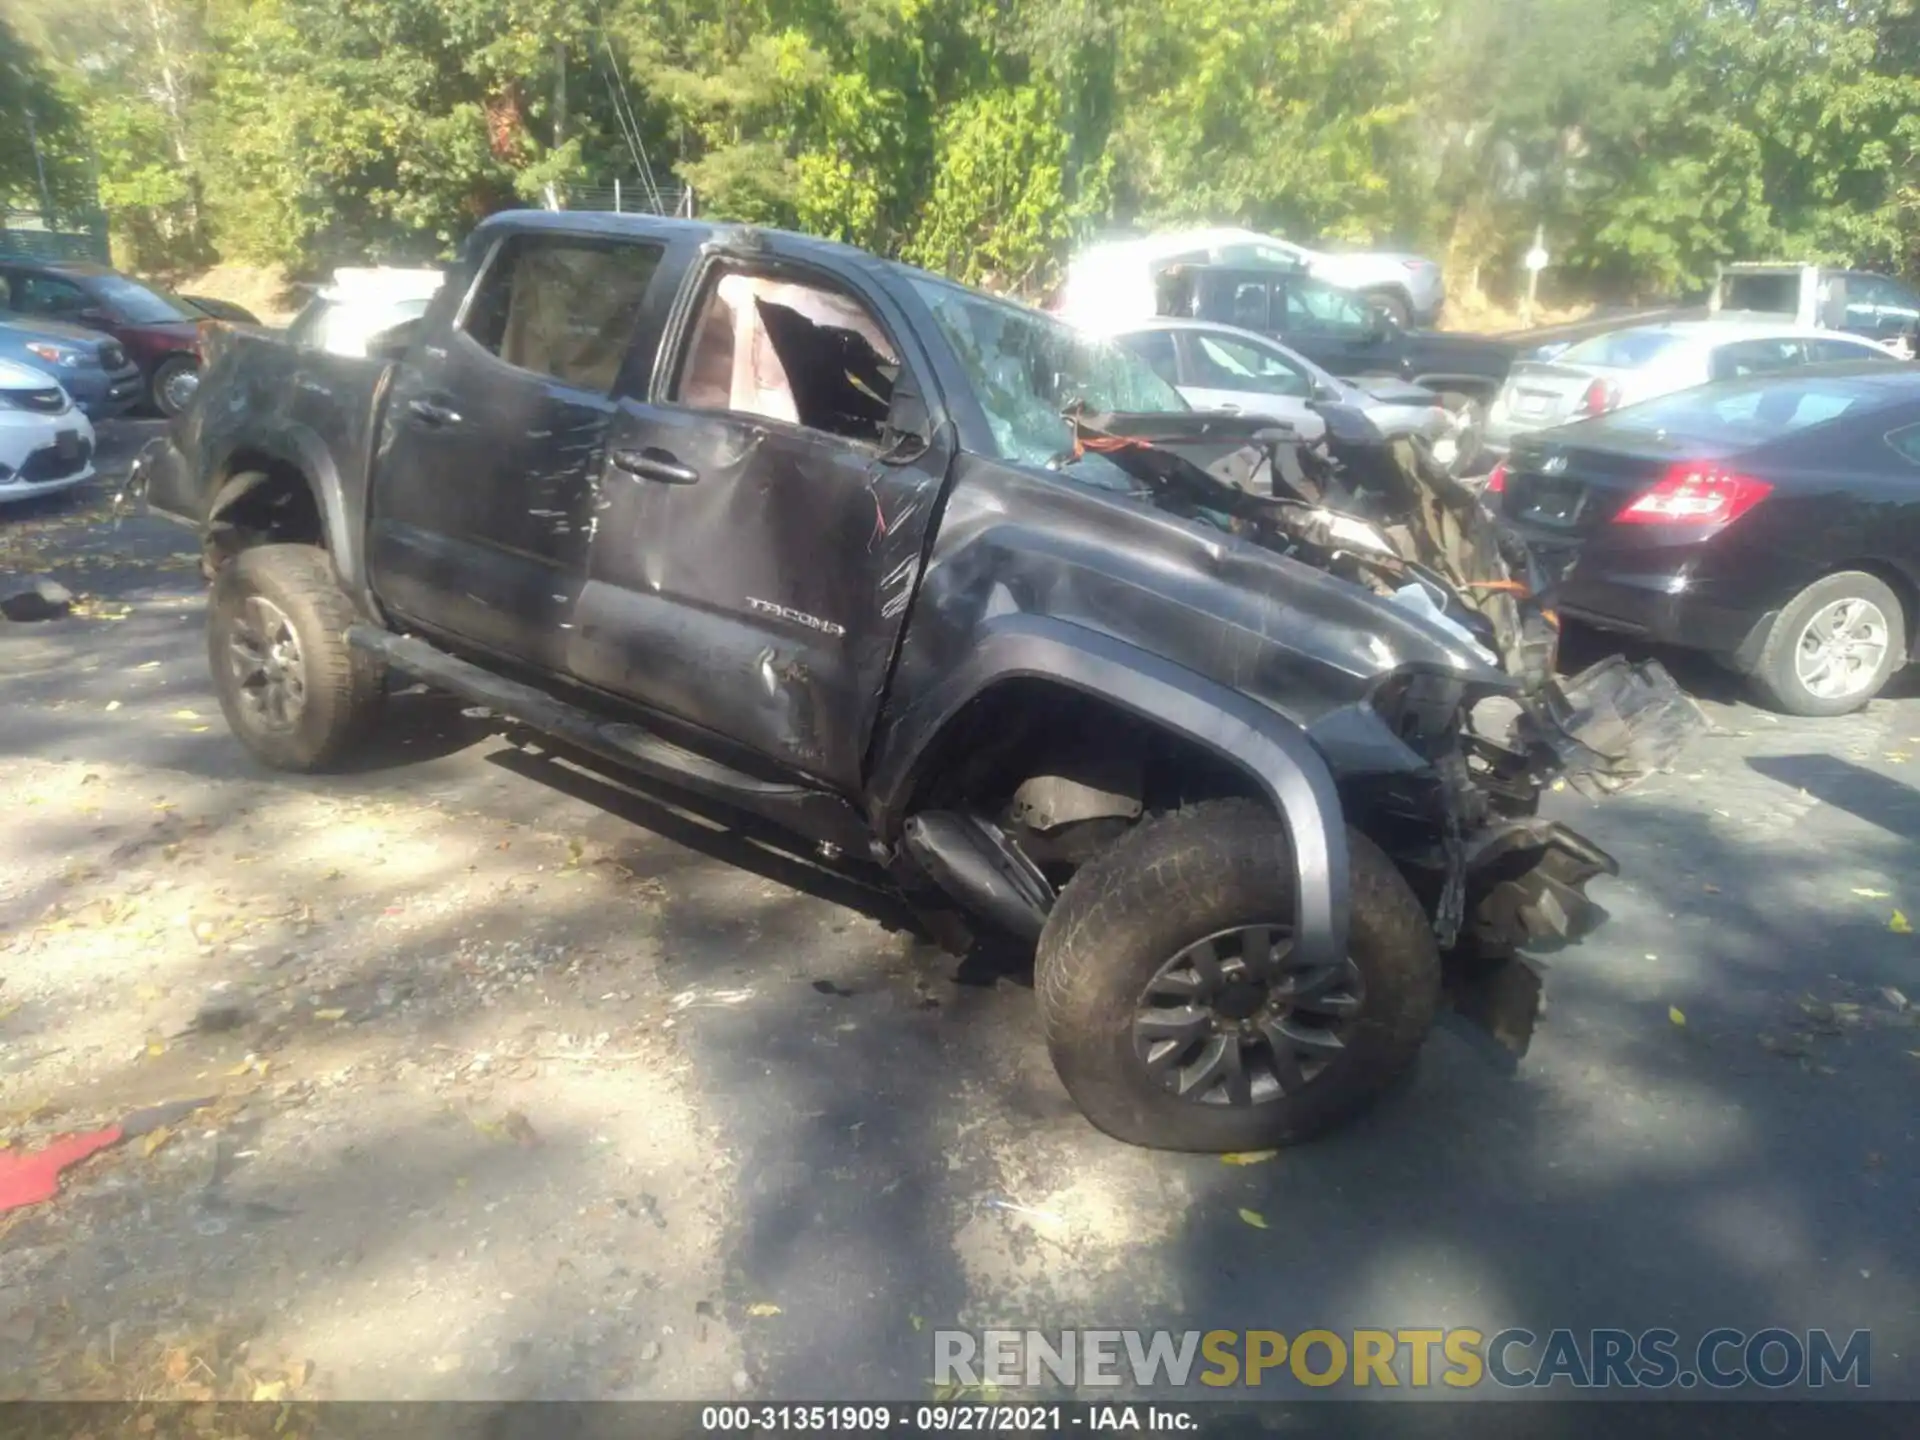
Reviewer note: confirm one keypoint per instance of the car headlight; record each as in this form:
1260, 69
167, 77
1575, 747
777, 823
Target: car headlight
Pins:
55, 354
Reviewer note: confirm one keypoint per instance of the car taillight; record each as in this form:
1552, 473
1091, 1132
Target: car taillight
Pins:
1600, 398
1691, 493
1413, 264
1497, 481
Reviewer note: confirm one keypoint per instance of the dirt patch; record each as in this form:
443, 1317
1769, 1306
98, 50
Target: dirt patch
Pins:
449, 1150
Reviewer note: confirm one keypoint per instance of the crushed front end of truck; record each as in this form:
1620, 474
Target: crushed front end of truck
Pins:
1464, 826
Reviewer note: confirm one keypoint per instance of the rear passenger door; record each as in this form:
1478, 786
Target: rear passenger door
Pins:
494, 438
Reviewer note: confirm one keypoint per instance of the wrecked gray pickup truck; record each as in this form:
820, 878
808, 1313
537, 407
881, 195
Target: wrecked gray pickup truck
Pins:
1246, 737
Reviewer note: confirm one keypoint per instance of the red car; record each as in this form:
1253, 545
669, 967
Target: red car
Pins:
160, 332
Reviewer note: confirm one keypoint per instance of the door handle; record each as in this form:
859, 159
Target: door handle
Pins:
651, 464
429, 412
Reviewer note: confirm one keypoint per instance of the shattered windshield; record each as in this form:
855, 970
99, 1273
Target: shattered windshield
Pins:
1027, 370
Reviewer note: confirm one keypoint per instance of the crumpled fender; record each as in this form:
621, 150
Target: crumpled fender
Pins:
1274, 751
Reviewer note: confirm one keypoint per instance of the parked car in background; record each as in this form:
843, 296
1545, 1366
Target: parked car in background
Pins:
160, 331
1218, 367
1627, 366
46, 443
1859, 302
92, 368
360, 304
1115, 281
1340, 331
222, 309
1772, 521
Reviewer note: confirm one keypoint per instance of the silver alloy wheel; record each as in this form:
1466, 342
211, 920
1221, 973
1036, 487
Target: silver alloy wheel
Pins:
268, 668
1841, 649
179, 389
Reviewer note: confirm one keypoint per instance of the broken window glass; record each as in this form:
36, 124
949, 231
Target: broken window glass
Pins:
1028, 371
804, 354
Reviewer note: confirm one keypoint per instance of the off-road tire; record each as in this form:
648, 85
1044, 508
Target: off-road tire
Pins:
1176, 879
163, 376
343, 686
1774, 675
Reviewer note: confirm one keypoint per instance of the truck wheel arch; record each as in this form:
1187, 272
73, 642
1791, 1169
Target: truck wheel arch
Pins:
269, 494
1276, 756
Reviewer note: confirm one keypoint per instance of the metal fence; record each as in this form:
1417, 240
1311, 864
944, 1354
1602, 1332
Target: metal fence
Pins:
29, 235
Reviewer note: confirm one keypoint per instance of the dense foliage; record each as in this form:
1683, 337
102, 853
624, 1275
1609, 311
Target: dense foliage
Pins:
1651, 138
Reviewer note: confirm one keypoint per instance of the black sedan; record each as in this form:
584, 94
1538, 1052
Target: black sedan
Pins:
1773, 522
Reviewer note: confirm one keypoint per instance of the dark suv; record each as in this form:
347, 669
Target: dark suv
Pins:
160, 332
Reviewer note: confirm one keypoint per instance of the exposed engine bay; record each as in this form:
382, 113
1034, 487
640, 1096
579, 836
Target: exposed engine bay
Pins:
1388, 517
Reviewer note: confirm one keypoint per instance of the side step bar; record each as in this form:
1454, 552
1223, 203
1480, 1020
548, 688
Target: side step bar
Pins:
816, 814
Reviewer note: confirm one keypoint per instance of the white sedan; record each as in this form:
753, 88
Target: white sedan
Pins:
1624, 367
46, 443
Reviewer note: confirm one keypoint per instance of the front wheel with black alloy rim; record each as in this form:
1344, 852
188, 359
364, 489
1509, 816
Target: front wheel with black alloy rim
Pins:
1833, 647
174, 384
293, 691
1176, 1013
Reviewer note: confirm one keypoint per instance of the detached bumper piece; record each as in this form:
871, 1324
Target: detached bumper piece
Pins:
1526, 885
1612, 725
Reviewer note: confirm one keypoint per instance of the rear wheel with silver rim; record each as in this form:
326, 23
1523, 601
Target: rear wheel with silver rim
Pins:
1177, 1012
1834, 646
293, 691
174, 384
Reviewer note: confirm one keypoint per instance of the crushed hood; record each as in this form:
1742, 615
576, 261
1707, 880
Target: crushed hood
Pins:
1383, 514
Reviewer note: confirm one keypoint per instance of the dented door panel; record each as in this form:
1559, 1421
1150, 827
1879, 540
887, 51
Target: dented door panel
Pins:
762, 599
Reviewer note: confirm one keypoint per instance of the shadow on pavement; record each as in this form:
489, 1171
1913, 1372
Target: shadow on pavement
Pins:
1878, 799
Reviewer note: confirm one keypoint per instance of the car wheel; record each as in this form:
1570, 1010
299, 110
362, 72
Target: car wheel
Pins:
1395, 304
174, 384
293, 691
1172, 1015
1833, 647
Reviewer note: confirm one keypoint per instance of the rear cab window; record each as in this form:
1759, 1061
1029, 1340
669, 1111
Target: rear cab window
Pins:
562, 306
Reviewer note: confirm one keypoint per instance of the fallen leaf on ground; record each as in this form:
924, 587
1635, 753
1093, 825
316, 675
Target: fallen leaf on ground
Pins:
919, 1323
1899, 924
1248, 1157
155, 1140
113, 705
177, 1365
1674, 1014
763, 1309
270, 1390
1894, 997
1254, 1218
186, 715
334, 1014
1868, 894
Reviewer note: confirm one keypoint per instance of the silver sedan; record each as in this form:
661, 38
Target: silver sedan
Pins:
1221, 367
